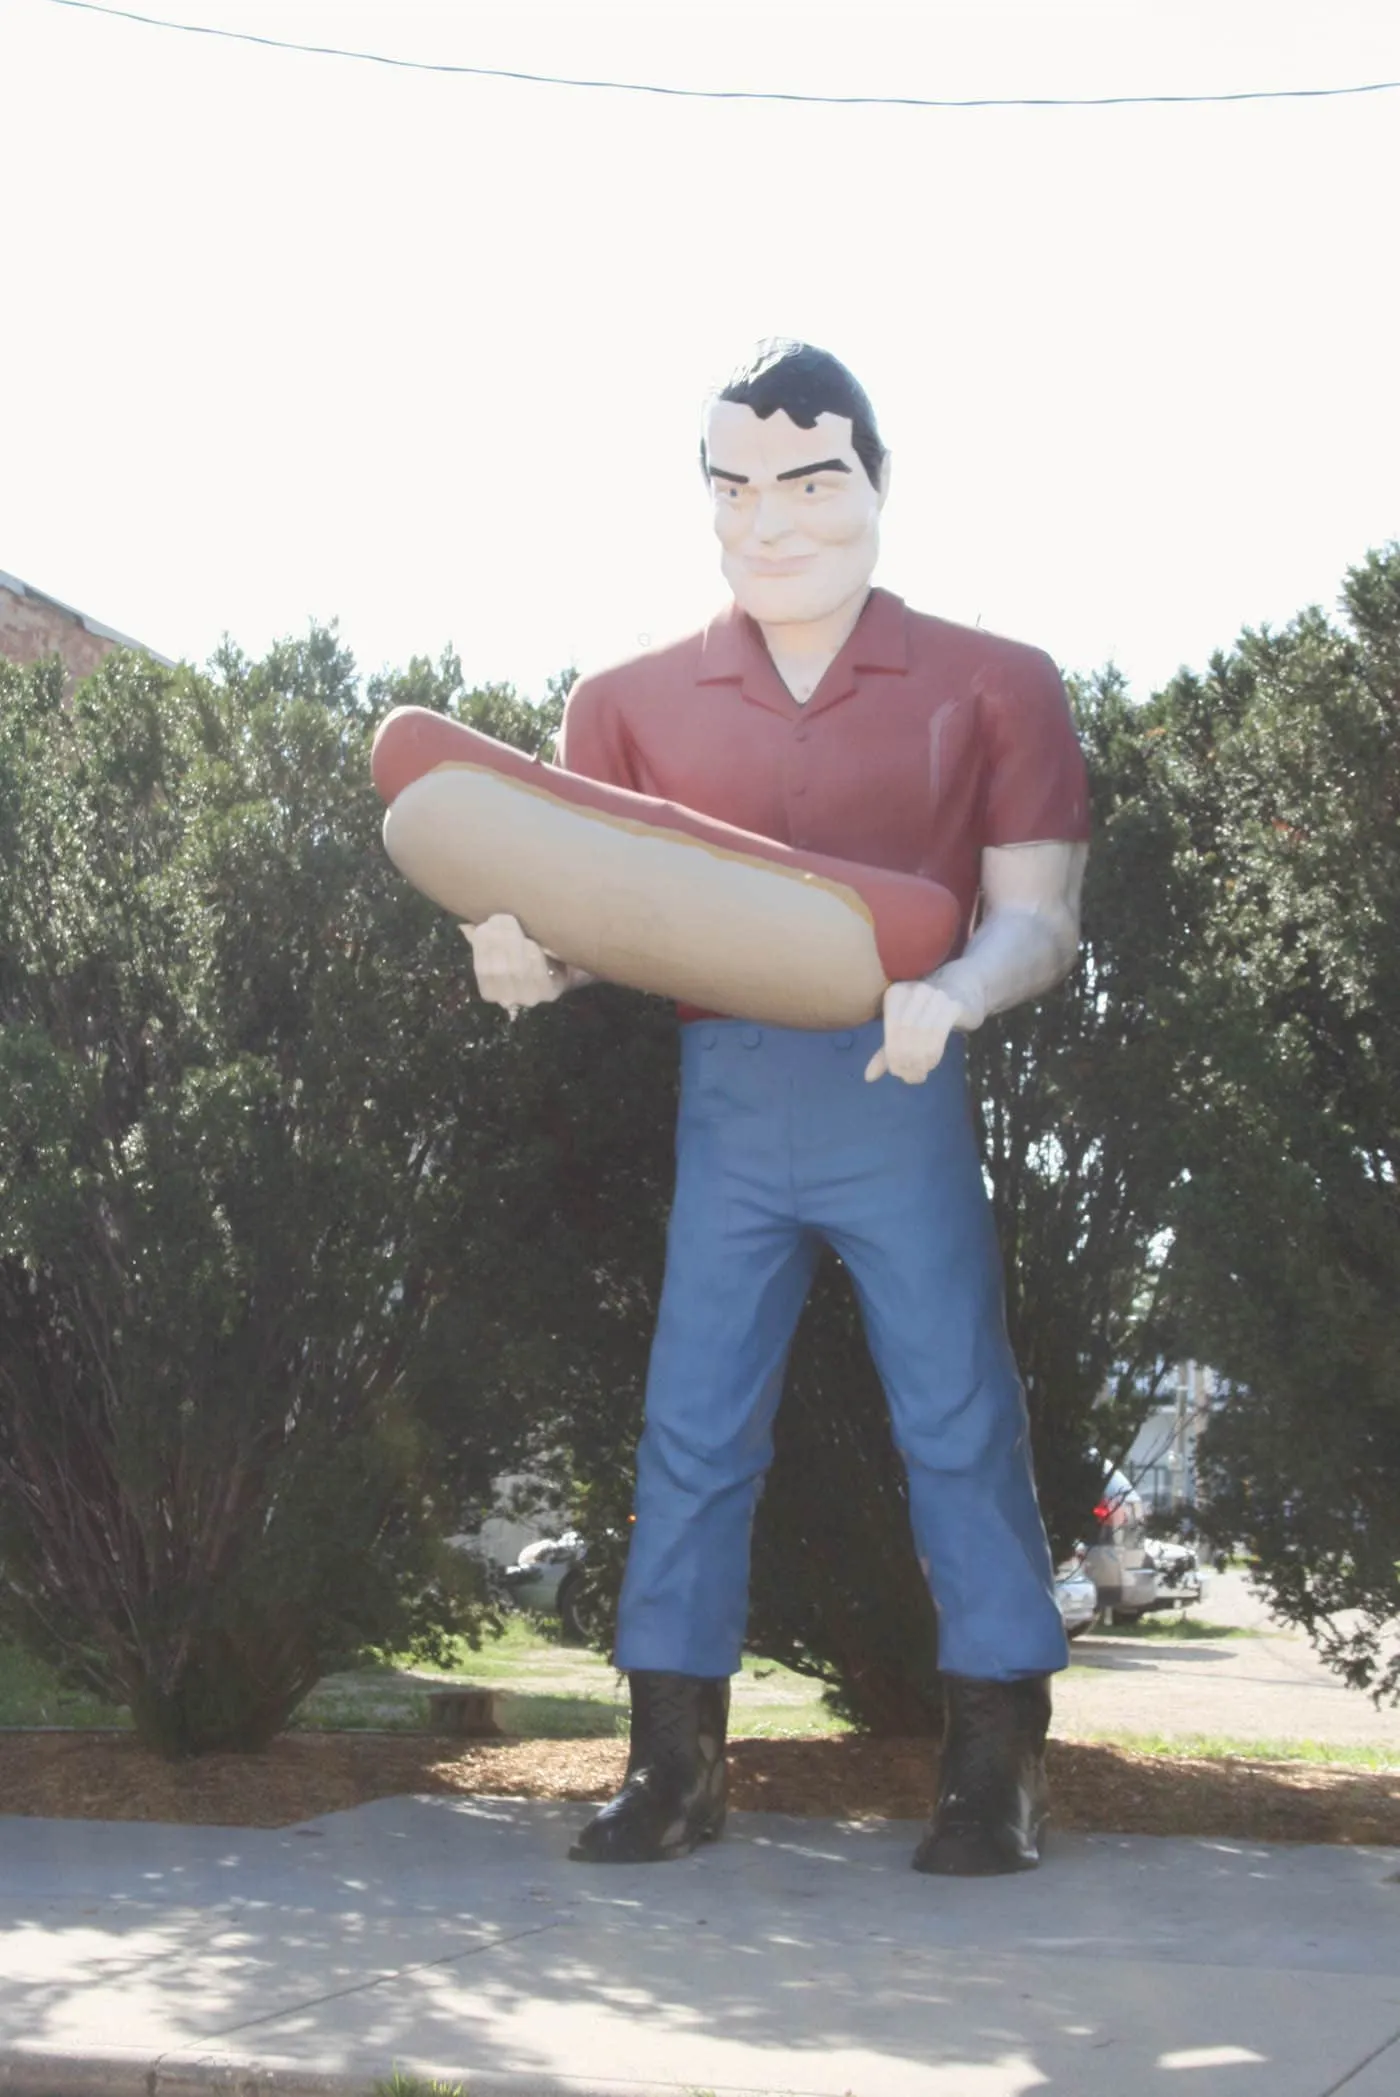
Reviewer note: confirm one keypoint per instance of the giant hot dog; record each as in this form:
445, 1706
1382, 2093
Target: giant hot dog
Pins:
647, 894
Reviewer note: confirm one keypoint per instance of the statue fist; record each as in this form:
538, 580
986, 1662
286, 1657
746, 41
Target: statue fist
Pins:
512, 970
919, 1017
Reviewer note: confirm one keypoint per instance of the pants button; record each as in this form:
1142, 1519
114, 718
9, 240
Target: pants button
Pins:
752, 1036
709, 1036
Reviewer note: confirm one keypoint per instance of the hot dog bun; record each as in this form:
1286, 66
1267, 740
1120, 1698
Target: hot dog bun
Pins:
647, 894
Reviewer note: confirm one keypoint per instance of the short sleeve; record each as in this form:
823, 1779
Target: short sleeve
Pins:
593, 741
1037, 788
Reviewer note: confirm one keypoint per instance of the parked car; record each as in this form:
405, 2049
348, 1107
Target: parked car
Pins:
1077, 1596
1180, 1580
540, 1570
549, 1576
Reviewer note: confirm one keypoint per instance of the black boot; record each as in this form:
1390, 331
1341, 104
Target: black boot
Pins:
991, 1791
672, 1797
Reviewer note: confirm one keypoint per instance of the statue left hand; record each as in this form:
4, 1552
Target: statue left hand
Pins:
919, 1017
1026, 941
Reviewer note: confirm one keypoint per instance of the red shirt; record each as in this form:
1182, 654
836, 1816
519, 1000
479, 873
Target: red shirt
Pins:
924, 742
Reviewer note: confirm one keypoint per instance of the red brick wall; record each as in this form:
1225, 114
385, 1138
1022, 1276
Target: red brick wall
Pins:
32, 627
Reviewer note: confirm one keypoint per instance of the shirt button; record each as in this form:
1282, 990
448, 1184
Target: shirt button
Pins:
800, 735
799, 786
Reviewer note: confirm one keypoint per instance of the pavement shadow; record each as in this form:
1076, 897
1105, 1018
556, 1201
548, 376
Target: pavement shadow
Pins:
1126, 1655
452, 1935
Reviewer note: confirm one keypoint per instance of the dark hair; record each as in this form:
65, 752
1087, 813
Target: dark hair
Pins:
805, 383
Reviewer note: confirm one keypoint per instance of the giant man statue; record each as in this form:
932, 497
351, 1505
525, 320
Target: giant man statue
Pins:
824, 713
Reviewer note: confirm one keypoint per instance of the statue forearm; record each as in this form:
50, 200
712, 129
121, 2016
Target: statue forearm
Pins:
1028, 936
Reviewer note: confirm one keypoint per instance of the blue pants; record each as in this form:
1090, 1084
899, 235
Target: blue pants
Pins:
782, 1146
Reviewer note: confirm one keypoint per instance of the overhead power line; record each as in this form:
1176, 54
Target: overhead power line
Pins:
738, 94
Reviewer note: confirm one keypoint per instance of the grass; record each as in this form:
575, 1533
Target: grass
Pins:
31, 1695
526, 1647
401, 2084
800, 1718
547, 1691
381, 1700
1219, 1747
552, 1692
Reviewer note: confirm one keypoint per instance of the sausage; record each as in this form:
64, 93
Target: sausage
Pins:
644, 893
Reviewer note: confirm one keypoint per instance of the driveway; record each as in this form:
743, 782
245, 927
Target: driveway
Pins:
1264, 1684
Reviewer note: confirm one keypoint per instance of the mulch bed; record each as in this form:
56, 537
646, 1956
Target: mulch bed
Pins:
1096, 1787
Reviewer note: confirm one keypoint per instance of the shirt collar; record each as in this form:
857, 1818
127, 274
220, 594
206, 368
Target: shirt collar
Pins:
733, 651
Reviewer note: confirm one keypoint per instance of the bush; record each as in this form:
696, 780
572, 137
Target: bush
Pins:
236, 1185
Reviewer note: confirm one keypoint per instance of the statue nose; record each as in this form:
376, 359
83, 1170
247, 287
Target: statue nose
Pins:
770, 518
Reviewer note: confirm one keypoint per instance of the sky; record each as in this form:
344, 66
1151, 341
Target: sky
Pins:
288, 337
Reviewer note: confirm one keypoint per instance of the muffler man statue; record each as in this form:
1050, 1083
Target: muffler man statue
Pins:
824, 713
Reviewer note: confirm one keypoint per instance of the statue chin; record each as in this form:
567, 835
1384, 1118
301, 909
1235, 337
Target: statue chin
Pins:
816, 592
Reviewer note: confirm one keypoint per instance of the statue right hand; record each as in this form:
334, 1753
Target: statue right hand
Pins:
512, 970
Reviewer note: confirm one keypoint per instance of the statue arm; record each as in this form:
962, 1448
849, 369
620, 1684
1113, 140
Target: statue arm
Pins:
1027, 935
1025, 942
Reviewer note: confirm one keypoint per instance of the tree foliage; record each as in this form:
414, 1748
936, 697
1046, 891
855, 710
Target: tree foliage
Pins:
1284, 764
300, 1244
1081, 1150
238, 1156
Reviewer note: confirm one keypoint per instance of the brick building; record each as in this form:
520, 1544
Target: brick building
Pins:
33, 626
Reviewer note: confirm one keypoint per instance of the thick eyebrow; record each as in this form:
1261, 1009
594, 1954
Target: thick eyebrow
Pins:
794, 473
800, 473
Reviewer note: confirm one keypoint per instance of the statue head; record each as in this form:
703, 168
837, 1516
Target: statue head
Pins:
798, 477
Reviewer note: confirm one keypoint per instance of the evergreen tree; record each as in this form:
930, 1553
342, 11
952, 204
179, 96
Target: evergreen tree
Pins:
1286, 773
243, 1090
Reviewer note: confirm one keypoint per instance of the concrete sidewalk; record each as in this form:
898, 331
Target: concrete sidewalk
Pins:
451, 1938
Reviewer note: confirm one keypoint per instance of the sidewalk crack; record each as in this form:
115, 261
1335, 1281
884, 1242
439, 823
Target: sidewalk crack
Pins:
363, 1987
1352, 2073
